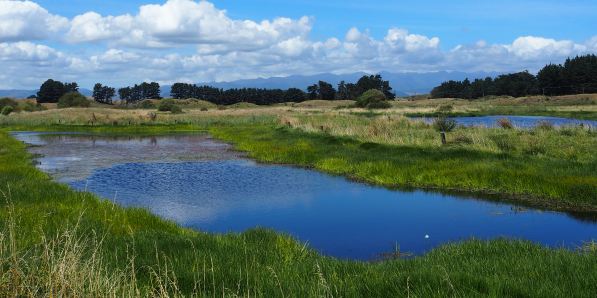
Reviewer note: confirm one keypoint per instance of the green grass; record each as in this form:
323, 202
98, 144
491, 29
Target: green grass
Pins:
96, 257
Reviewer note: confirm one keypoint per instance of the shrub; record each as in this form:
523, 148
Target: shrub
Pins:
204, 109
7, 110
444, 124
379, 105
73, 99
165, 104
371, 96
6, 101
221, 108
446, 108
32, 107
176, 109
146, 104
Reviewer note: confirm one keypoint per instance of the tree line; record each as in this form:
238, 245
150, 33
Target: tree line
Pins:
321, 90
219, 96
576, 76
51, 91
139, 92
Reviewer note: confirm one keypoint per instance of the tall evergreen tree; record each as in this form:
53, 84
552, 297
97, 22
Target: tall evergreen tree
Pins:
326, 91
50, 91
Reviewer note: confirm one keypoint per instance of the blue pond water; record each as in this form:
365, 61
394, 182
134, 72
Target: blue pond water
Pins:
520, 121
225, 192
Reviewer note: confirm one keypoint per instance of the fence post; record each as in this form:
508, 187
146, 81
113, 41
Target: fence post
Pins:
443, 135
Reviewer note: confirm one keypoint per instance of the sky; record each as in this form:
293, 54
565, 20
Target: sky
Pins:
120, 43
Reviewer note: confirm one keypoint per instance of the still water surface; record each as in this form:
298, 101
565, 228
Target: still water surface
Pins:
199, 183
524, 122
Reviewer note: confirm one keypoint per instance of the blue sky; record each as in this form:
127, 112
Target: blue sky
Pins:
120, 43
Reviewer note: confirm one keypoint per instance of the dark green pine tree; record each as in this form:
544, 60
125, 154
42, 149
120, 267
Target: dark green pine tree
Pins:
50, 91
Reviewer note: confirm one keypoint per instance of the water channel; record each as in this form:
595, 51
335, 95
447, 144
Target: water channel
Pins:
524, 122
200, 183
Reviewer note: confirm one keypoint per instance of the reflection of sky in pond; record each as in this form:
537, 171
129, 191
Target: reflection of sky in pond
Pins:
338, 217
519, 121
97, 151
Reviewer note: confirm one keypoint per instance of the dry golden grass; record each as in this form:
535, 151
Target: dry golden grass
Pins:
324, 103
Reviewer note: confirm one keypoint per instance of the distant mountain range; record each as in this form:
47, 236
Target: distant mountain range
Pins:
403, 84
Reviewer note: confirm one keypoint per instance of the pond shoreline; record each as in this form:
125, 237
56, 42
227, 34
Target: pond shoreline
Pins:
531, 199
491, 265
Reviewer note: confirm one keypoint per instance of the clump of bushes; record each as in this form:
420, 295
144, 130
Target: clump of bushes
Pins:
221, 108
72, 100
372, 99
146, 104
7, 110
444, 124
29, 106
203, 109
446, 108
165, 104
6, 101
176, 109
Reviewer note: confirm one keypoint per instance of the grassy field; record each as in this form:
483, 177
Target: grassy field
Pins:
582, 106
57, 242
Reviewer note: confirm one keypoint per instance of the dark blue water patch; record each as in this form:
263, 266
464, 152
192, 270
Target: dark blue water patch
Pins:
524, 122
338, 217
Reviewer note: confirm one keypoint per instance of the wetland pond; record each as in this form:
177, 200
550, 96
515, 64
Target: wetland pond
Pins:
524, 122
200, 183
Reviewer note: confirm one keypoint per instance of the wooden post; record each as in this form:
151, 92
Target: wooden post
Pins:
129, 122
289, 126
443, 138
175, 121
322, 128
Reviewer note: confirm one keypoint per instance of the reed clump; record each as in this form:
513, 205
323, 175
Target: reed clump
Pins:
504, 123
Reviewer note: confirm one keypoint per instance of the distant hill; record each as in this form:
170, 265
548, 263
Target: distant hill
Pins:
403, 84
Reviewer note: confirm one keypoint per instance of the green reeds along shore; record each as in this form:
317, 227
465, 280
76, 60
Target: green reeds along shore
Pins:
57, 242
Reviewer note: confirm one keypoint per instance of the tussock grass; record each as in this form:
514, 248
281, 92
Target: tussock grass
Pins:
568, 142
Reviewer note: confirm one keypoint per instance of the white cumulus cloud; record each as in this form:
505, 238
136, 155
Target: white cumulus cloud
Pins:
185, 22
26, 20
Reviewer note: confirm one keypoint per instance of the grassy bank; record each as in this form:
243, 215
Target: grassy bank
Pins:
60, 242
